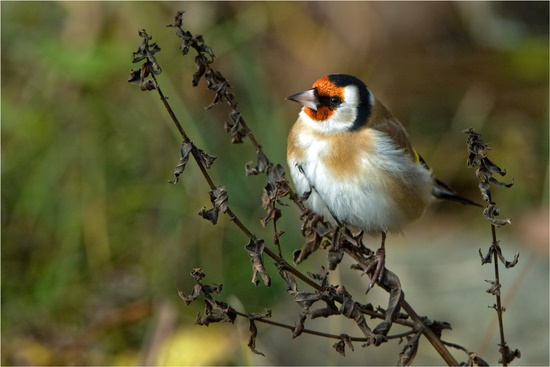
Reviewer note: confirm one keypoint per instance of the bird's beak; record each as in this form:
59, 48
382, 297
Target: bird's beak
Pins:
309, 98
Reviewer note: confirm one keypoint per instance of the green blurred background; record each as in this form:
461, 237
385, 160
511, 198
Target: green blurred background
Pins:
95, 242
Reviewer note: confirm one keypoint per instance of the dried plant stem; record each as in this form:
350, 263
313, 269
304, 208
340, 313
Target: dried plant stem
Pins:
477, 157
499, 304
195, 154
430, 335
418, 324
229, 212
219, 84
320, 333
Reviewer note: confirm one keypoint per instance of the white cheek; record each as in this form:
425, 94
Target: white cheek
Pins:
342, 119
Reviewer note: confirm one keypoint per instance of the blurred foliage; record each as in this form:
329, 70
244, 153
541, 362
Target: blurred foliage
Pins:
94, 240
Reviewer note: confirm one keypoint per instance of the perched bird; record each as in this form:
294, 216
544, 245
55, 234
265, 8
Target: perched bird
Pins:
356, 162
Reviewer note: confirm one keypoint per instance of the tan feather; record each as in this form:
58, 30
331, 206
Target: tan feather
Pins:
382, 120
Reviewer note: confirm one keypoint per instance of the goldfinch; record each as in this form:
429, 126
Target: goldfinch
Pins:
356, 161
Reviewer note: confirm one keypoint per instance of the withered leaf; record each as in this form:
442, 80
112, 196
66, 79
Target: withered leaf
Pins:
219, 199
494, 289
198, 274
321, 276
407, 354
325, 312
196, 42
315, 233
235, 116
485, 190
186, 44
259, 316
340, 348
347, 339
390, 282
492, 167
496, 248
437, 326
305, 299
477, 157
510, 354
231, 314
475, 360
178, 19
205, 158
288, 278
185, 150
208, 319
487, 259
351, 310
255, 250
216, 81
217, 100
146, 52
210, 214
275, 176
215, 311
193, 296
214, 305
217, 288
491, 211
299, 325
135, 76
237, 133
334, 256
148, 85
197, 75
277, 186
272, 214
313, 241
263, 162
252, 340
496, 182
510, 264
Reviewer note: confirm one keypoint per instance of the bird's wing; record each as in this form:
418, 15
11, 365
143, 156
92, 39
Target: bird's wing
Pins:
382, 120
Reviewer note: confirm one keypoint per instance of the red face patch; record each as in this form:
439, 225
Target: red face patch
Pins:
325, 88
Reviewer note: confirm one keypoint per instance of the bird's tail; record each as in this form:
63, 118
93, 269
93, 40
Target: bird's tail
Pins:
444, 191
441, 190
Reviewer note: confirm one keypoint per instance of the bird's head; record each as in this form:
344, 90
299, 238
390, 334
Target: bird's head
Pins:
336, 103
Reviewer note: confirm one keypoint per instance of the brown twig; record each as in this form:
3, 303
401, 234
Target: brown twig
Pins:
320, 333
499, 304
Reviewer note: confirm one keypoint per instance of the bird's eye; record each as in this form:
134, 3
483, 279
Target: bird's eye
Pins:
335, 101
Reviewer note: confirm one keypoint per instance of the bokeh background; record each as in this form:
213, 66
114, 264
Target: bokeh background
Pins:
96, 243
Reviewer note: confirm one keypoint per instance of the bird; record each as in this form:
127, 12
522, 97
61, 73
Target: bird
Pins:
355, 163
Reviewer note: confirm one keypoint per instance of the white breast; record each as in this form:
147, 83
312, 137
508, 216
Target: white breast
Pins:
363, 200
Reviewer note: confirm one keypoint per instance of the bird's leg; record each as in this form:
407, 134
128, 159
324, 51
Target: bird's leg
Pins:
377, 264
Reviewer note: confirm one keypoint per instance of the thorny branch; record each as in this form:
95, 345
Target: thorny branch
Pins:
320, 234
477, 157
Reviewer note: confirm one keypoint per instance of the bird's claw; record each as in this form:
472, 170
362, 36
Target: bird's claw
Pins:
310, 220
377, 267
